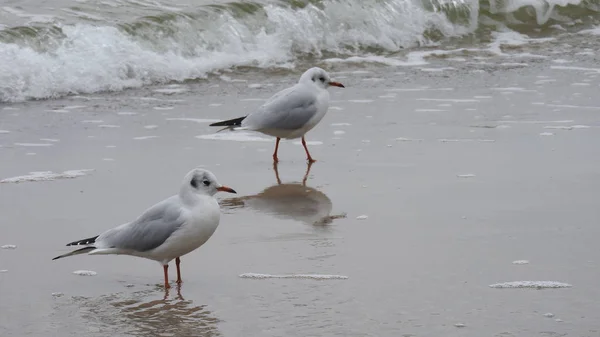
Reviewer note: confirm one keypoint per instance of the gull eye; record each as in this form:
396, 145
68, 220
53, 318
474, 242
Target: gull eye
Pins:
206, 182
313, 79
322, 79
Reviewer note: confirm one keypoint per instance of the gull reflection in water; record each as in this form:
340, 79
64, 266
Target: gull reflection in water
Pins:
136, 315
295, 201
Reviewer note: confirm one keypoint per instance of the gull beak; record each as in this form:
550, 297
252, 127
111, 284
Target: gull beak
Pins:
337, 84
226, 189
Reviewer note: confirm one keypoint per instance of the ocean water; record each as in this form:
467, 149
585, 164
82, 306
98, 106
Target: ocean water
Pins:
61, 47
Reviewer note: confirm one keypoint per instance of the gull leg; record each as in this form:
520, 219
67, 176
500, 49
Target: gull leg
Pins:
308, 157
310, 163
177, 262
275, 159
275, 168
166, 270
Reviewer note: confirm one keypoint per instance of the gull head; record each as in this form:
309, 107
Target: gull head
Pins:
319, 77
201, 181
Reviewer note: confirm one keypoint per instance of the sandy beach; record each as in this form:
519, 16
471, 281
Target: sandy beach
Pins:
430, 186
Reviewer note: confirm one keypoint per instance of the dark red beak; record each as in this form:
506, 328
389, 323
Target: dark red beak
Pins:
337, 84
226, 189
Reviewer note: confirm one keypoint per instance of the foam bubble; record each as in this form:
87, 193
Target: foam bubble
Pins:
47, 176
150, 127
33, 144
85, 273
340, 124
339, 132
8, 247
531, 284
163, 108
49, 140
521, 262
360, 100
144, 137
294, 276
362, 217
546, 134
4, 131
108, 126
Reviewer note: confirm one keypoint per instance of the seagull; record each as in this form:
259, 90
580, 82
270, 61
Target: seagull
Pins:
292, 112
169, 229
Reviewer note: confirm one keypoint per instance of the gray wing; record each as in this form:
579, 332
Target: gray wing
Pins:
289, 109
148, 231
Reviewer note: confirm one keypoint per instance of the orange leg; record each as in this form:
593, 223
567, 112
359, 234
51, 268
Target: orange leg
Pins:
177, 262
308, 157
166, 270
275, 159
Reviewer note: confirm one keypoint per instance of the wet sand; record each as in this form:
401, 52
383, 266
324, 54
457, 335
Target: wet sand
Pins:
428, 185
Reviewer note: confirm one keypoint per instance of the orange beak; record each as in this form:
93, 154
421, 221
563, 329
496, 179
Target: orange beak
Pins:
337, 84
226, 189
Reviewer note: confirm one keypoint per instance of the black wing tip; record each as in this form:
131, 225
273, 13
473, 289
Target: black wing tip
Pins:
230, 122
87, 241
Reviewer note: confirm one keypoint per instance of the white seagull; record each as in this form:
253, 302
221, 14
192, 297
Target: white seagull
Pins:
167, 230
292, 112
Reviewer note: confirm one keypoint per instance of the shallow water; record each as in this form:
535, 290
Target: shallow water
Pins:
436, 187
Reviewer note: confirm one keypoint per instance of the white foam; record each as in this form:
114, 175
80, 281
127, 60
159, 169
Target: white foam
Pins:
549, 315
144, 137
47, 176
444, 140
72, 107
429, 110
340, 124
195, 120
360, 100
294, 276
597, 70
163, 108
362, 217
339, 132
8, 247
33, 144
546, 134
521, 262
4, 131
255, 86
92, 121
531, 284
127, 113
30, 154
234, 136
110, 146
432, 70
108, 126
310, 142
580, 126
559, 127
215, 104
170, 91
150, 127
336, 108
537, 122
453, 100
85, 273
468, 175
49, 140
3, 270
403, 139
460, 325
